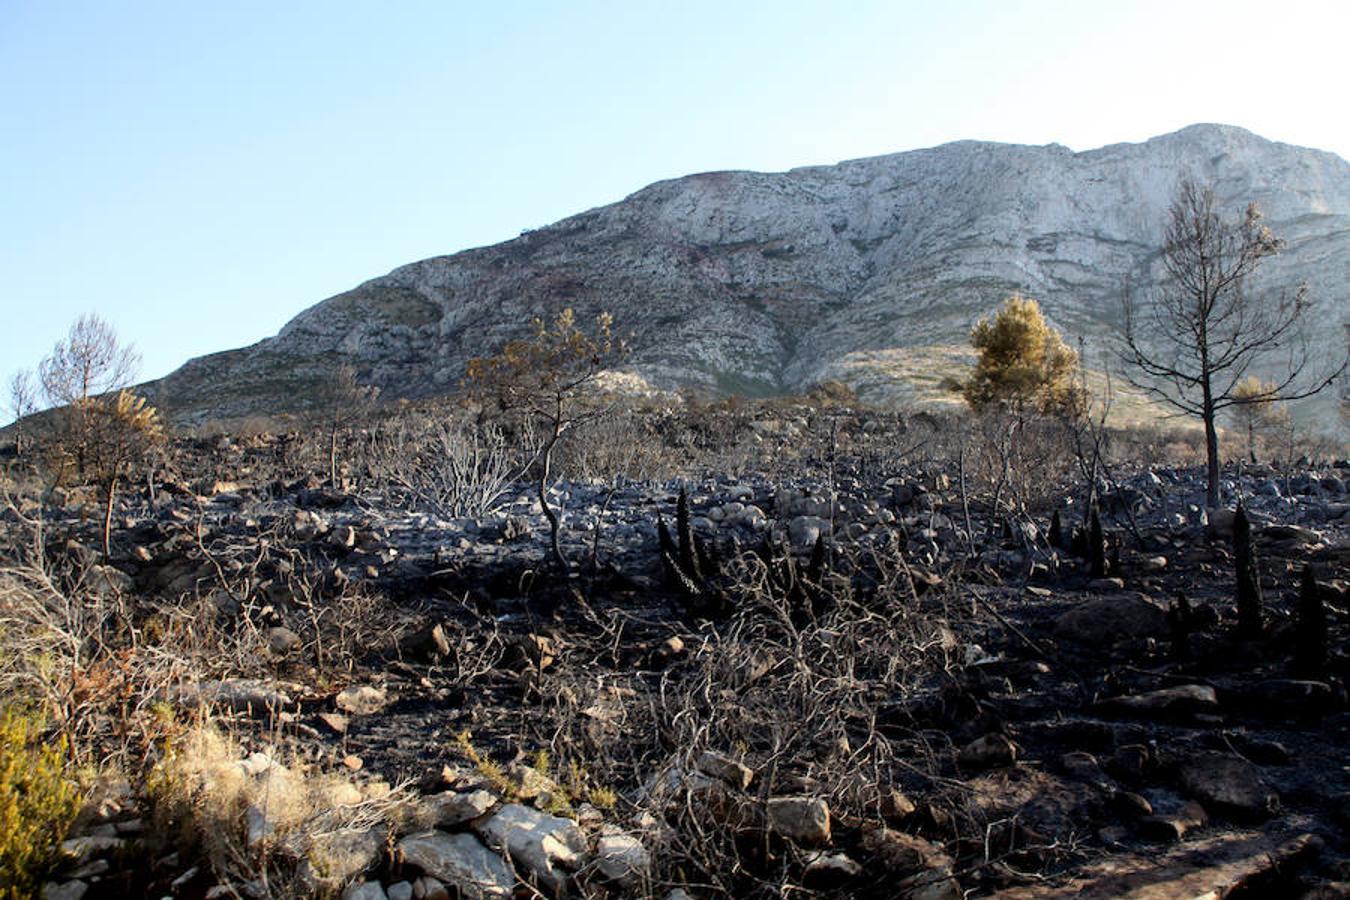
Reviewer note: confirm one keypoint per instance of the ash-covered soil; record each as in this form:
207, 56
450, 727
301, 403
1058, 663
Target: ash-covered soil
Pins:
828, 675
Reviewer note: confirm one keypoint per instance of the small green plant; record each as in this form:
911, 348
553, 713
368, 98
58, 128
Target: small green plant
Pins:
488, 769
38, 803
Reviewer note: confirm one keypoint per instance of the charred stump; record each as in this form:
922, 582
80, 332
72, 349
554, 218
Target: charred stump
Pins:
1248, 581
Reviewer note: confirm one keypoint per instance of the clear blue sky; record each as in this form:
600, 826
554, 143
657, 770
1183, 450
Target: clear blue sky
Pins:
198, 173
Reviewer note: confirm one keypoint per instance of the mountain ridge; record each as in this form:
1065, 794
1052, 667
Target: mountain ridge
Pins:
763, 283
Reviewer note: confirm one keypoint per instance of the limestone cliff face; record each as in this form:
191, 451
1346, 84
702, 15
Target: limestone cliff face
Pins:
763, 283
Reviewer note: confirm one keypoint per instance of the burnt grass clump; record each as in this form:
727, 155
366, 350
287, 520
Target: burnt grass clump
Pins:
799, 648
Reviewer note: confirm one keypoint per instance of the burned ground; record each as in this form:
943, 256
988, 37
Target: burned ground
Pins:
821, 651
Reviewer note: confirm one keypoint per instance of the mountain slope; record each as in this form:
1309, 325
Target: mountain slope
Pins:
764, 283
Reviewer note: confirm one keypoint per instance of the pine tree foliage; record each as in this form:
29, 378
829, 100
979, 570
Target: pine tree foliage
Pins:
1024, 364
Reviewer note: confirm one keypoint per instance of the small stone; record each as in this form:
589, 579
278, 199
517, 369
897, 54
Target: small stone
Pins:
896, 806
805, 820
82, 849
451, 808
428, 888
66, 890
366, 890
353, 762
804, 531
622, 859
336, 722
283, 641
1175, 826
830, 871
725, 769
399, 890
343, 537
90, 870
362, 700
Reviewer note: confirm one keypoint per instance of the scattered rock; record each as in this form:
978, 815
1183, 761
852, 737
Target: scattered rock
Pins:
1183, 700
992, 751
461, 861
66, 890
1228, 784
804, 820
1172, 827
238, 694
904, 854
725, 769
622, 859
366, 890
362, 700
830, 871
547, 847
452, 808
283, 641
804, 531
896, 806
1103, 621
335, 722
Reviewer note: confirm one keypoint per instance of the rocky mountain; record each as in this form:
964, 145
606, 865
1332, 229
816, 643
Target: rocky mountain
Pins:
868, 271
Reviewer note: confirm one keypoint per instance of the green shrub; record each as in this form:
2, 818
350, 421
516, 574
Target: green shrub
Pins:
38, 803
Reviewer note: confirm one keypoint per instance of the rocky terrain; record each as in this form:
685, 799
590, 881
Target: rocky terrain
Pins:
823, 652
758, 284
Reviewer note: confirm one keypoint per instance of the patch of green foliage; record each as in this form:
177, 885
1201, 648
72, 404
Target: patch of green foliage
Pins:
38, 803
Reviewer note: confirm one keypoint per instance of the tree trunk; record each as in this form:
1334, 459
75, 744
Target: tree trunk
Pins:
332, 456
554, 524
107, 519
1211, 454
